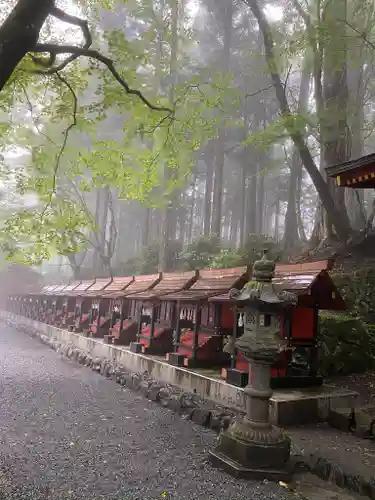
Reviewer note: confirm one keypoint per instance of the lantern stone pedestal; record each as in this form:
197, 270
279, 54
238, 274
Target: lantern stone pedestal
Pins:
253, 448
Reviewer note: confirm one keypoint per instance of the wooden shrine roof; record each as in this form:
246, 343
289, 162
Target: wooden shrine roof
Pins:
358, 173
117, 286
70, 287
212, 282
50, 290
59, 289
169, 283
98, 287
141, 284
310, 278
81, 288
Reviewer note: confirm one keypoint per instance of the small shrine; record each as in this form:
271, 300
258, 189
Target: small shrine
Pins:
68, 305
82, 306
57, 305
131, 308
251, 447
297, 365
157, 314
357, 174
48, 303
118, 307
198, 341
99, 315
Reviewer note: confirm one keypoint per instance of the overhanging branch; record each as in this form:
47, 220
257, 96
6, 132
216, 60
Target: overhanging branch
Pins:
93, 54
75, 21
65, 140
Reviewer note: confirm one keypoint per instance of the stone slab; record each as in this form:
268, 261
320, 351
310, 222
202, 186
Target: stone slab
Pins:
237, 470
287, 407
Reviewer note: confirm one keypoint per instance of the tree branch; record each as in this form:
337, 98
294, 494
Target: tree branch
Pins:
65, 140
75, 21
94, 54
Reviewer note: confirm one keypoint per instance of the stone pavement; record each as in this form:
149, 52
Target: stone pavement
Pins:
67, 433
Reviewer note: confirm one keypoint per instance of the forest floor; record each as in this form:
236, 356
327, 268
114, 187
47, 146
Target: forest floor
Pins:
360, 253
363, 383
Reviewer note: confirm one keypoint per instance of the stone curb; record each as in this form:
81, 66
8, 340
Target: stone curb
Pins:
199, 411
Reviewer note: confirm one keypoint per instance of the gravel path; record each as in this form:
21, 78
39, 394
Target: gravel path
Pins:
67, 433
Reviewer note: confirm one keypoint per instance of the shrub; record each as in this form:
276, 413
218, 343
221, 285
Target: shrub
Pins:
347, 344
199, 253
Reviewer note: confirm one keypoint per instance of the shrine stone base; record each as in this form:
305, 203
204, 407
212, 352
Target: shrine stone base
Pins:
221, 461
287, 407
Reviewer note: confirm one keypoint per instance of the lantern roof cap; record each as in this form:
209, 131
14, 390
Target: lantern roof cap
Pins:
264, 269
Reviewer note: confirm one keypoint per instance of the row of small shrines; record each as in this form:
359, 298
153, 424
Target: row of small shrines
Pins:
190, 318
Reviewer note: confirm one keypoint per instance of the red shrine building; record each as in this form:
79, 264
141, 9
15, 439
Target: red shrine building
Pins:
357, 174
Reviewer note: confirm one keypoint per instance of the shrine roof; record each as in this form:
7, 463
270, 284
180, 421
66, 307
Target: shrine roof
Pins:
212, 282
97, 287
141, 284
299, 278
310, 278
69, 288
169, 283
50, 290
117, 286
81, 288
354, 173
59, 289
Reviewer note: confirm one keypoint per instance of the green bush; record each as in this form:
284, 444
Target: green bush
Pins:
227, 257
358, 290
347, 344
199, 253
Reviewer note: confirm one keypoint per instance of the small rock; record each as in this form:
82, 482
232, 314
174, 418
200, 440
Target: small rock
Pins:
215, 421
144, 385
136, 381
173, 402
165, 393
201, 416
225, 422
154, 392
187, 401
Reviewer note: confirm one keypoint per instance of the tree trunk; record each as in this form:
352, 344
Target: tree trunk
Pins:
166, 223
220, 143
356, 77
291, 235
341, 225
242, 207
251, 206
19, 34
260, 200
208, 195
334, 124
146, 228
182, 220
276, 232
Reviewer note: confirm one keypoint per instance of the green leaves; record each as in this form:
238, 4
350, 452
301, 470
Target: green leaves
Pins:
146, 158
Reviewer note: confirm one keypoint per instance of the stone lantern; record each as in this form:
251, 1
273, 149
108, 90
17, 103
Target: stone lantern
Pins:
252, 447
